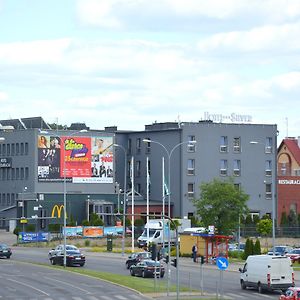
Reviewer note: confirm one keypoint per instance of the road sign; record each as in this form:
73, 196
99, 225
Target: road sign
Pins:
222, 263
23, 221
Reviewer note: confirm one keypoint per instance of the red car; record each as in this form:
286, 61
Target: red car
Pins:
292, 293
294, 255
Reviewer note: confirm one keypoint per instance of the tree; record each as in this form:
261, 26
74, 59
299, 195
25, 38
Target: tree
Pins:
257, 248
249, 249
221, 204
284, 219
264, 227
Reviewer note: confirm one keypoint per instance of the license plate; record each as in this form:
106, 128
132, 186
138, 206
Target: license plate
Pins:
5, 251
77, 258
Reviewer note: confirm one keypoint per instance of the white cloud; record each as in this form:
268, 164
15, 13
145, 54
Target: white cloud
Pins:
3, 96
268, 38
143, 14
33, 52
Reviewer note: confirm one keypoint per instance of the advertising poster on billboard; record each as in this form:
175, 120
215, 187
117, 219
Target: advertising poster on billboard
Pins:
76, 159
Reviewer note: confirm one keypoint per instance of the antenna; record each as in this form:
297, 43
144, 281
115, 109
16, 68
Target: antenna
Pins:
287, 126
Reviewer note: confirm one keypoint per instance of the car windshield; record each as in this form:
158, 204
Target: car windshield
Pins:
71, 248
152, 263
151, 232
3, 246
296, 251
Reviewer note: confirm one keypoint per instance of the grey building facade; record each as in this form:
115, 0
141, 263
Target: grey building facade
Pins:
247, 152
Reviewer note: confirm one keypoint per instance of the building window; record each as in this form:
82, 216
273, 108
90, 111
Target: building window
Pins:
13, 149
13, 199
17, 148
148, 146
283, 169
191, 190
22, 173
237, 167
269, 148
138, 145
138, 188
268, 191
8, 149
13, 174
17, 173
22, 148
297, 172
8, 199
268, 168
138, 168
237, 144
191, 146
26, 173
191, 167
4, 149
26, 148
129, 146
237, 186
223, 167
223, 144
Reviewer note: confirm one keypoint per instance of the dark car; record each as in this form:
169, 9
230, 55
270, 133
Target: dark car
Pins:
280, 250
73, 256
134, 258
5, 251
148, 268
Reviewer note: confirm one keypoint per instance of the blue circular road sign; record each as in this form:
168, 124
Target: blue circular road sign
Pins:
222, 263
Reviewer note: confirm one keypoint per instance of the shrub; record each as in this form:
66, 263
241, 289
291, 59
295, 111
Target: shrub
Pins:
257, 248
87, 243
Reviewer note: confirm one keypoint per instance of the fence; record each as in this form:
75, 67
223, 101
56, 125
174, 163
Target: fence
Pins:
284, 231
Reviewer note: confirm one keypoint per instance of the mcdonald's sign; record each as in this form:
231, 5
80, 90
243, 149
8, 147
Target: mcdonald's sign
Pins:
57, 208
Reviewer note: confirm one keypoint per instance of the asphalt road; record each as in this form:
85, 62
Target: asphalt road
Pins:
214, 282
24, 281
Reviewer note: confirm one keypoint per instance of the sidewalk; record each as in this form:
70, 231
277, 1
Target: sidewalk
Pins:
7, 237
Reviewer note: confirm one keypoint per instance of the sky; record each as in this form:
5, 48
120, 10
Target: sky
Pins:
128, 63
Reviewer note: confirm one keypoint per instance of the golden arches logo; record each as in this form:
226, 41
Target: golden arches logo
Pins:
57, 208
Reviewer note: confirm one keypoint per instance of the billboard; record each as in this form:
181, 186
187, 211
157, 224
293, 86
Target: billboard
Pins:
75, 159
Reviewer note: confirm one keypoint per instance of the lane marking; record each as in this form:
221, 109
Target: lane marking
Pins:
27, 285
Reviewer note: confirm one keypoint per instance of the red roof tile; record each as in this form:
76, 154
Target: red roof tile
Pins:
292, 145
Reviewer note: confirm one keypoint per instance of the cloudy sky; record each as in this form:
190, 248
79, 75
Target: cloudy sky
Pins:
133, 62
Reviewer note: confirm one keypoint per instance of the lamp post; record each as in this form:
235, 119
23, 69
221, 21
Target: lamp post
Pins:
124, 200
65, 189
273, 197
169, 155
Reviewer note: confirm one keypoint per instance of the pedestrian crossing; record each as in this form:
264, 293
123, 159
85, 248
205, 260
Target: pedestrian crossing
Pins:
241, 296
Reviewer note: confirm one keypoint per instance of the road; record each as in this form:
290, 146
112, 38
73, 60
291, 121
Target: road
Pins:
28, 281
190, 273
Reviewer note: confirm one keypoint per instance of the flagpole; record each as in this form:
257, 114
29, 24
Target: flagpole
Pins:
132, 204
148, 181
163, 202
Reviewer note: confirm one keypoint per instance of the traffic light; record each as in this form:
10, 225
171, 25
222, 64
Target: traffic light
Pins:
202, 259
167, 259
174, 262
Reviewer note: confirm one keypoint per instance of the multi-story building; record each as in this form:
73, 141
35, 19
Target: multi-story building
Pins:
246, 152
41, 169
288, 158
35, 178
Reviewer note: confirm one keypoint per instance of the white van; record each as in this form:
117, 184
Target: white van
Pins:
267, 272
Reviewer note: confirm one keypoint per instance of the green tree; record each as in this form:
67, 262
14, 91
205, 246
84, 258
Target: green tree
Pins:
249, 249
221, 204
292, 217
257, 248
284, 219
95, 220
264, 228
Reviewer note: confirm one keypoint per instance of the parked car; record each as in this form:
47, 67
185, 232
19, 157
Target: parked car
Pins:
280, 250
5, 251
294, 255
73, 256
134, 258
148, 268
292, 293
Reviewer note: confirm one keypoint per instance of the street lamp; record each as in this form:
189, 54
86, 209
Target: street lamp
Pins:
65, 189
124, 200
273, 198
169, 154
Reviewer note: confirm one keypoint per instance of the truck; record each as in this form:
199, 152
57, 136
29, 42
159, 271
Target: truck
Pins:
155, 232
267, 273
